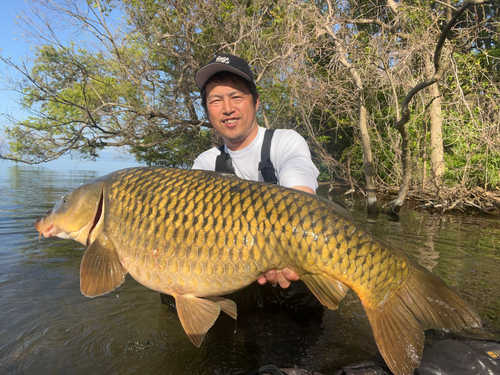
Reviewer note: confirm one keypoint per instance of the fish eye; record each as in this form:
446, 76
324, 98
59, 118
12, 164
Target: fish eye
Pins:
64, 199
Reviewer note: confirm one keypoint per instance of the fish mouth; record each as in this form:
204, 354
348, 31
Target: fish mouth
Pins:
43, 230
97, 218
44, 226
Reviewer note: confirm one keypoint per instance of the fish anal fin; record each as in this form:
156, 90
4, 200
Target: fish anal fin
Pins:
101, 270
197, 316
228, 306
422, 302
328, 291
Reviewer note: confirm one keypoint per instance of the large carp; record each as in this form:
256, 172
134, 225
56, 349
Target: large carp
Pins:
197, 235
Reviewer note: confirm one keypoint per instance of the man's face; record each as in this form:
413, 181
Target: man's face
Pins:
232, 113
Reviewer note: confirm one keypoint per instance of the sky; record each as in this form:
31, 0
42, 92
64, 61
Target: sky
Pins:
10, 47
13, 46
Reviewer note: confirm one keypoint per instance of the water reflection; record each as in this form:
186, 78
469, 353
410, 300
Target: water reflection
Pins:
48, 327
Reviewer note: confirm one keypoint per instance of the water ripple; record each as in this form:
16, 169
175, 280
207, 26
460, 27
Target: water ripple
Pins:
48, 327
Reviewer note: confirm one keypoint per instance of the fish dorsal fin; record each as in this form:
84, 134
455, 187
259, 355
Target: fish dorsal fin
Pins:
228, 306
337, 208
101, 270
344, 212
328, 291
197, 315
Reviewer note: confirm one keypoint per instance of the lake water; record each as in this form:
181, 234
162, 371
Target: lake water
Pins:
48, 327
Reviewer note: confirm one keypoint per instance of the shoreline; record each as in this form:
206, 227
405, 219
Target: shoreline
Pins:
445, 200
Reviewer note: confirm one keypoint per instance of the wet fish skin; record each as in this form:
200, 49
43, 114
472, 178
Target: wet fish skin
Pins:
198, 235
211, 237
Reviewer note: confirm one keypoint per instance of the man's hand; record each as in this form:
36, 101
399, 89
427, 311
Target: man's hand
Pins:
283, 277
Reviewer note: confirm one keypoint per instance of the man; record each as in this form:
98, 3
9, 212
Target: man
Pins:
230, 99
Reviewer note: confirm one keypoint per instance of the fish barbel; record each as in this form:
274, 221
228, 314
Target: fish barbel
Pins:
198, 235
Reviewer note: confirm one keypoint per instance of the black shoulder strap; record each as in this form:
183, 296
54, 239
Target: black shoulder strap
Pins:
266, 166
223, 162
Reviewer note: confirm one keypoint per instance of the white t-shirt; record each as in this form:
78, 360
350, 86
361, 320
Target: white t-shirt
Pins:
290, 156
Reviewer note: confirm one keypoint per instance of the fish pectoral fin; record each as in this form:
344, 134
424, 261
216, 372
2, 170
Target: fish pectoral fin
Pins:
197, 316
228, 306
101, 270
328, 291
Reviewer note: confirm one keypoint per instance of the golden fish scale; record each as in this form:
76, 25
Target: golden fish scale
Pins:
207, 235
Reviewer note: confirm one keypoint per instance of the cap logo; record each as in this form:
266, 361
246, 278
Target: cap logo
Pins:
222, 59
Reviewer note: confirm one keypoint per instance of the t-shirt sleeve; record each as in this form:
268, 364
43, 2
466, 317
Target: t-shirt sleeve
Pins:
293, 164
206, 160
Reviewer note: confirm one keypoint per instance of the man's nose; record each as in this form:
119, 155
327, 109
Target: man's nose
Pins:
227, 106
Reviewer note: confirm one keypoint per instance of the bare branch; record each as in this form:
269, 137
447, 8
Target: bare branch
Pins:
400, 125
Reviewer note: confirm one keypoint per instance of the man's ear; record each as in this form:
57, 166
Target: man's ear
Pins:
257, 102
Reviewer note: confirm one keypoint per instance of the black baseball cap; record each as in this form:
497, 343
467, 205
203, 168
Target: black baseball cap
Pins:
224, 63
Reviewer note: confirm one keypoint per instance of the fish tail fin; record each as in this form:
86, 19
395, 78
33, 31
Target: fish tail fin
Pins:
423, 302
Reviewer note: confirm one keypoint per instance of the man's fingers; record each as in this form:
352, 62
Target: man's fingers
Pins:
283, 277
271, 276
284, 283
290, 275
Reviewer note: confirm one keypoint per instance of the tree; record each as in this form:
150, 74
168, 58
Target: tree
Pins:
438, 74
334, 71
131, 84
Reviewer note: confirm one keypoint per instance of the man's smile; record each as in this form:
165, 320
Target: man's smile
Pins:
230, 123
